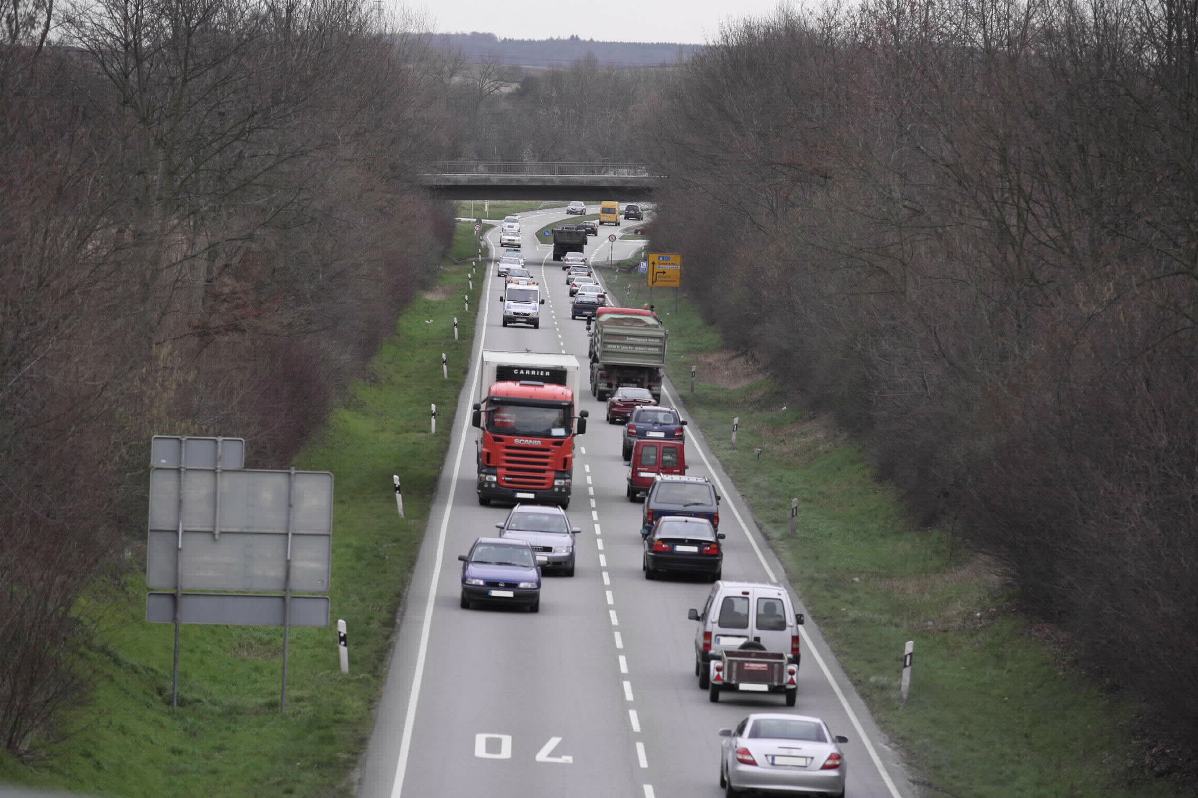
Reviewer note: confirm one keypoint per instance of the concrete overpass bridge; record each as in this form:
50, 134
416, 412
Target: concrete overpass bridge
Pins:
465, 180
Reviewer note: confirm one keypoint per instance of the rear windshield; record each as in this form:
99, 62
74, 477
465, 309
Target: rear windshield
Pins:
656, 417
787, 729
692, 531
669, 457
734, 612
683, 493
634, 393
771, 615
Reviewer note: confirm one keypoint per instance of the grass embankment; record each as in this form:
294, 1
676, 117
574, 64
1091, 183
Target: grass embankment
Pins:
228, 738
497, 209
995, 709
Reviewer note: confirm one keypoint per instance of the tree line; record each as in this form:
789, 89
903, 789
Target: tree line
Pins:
969, 229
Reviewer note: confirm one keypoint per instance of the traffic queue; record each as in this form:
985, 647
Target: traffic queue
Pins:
747, 634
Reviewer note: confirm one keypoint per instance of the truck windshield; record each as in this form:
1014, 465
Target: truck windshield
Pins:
544, 422
521, 295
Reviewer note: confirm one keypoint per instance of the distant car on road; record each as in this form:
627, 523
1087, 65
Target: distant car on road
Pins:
587, 302
578, 271
518, 271
576, 207
624, 400
652, 422
683, 546
508, 261
784, 754
634, 212
581, 279
501, 571
547, 529
573, 259
591, 227
689, 496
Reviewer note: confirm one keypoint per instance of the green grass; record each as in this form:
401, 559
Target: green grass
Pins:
228, 737
995, 709
497, 209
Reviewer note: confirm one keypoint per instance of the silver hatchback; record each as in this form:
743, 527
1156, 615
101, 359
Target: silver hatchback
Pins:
547, 529
784, 754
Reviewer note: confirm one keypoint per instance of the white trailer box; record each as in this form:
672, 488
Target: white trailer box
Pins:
540, 367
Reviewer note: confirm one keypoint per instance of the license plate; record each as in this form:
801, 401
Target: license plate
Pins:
647, 474
657, 434
542, 559
526, 495
687, 549
754, 688
501, 594
792, 761
729, 640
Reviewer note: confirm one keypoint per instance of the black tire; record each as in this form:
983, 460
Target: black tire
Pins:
713, 693
626, 454
792, 695
650, 574
505, 322
570, 571
631, 494
536, 325
484, 501
704, 676
464, 602
723, 781
535, 606
729, 792
699, 667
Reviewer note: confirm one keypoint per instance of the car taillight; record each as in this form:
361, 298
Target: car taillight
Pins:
711, 548
661, 545
831, 763
632, 428
745, 757
715, 520
794, 645
706, 642
678, 432
648, 516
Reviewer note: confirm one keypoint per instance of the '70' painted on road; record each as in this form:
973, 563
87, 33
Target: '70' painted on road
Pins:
499, 746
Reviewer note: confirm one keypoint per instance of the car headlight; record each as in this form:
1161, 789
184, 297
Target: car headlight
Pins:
472, 581
561, 483
561, 549
528, 585
490, 478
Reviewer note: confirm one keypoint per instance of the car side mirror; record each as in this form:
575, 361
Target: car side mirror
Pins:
542, 302
462, 557
718, 535
501, 297
575, 530
644, 533
499, 526
717, 499
800, 618
840, 738
692, 614
725, 732
684, 422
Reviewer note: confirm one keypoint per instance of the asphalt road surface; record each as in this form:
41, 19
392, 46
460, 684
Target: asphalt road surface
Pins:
595, 695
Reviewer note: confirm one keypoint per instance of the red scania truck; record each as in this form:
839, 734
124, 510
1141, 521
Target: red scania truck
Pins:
527, 421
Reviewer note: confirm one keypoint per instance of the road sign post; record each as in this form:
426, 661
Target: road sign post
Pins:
343, 645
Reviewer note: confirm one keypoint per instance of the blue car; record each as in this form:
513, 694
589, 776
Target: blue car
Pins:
652, 422
501, 571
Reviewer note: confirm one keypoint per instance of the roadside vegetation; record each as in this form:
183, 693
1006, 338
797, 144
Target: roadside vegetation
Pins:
497, 209
996, 705
228, 737
966, 231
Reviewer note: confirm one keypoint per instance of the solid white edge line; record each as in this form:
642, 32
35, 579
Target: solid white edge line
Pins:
844, 702
405, 745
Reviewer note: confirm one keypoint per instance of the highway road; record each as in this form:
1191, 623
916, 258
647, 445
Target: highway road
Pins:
595, 695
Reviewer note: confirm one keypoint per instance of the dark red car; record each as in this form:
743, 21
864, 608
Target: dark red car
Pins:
625, 399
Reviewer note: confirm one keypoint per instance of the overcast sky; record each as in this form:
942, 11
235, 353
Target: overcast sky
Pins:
684, 21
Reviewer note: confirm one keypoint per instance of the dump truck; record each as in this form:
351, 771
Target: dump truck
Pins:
526, 417
568, 238
628, 347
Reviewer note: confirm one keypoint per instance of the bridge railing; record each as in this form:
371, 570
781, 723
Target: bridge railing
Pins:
536, 168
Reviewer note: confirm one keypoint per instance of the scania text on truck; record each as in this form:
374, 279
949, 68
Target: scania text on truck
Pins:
527, 421
568, 238
628, 347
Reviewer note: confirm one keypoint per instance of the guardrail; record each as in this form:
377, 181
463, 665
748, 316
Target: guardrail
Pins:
539, 168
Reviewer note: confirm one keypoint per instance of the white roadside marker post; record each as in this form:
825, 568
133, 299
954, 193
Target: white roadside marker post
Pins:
398, 495
908, 658
455, 328
433, 419
343, 645
692, 380
444, 367
794, 516
735, 427
466, 301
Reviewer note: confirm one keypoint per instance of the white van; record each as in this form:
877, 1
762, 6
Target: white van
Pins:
736, 612
522, 303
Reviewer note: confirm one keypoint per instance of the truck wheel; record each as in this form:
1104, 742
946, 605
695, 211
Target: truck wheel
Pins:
713, 693
792, 695
704, 675
484, 501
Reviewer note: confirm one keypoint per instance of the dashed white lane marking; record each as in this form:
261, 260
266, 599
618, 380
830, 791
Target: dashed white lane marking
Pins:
619, 641
583, 449
606, 578
623, 664
588, 479
599, 543
640, 754
602, 561
627, 690
593, 504
649, 791
634, 721
594, 515
598, 531
615, 621
586, 466
610, 598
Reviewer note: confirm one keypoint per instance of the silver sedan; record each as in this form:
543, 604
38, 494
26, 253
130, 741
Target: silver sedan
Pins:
789, 754
548, 530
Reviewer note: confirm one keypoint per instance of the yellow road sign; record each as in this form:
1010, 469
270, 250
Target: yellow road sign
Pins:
665, 269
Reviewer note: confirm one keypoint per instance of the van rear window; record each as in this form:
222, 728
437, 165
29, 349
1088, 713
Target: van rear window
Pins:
734, 612
771, 615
